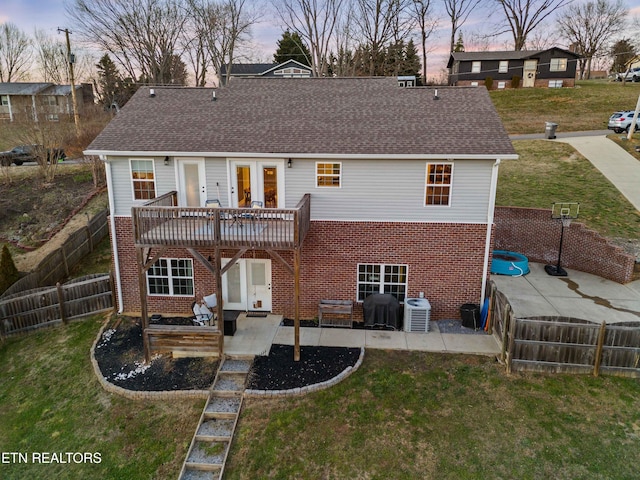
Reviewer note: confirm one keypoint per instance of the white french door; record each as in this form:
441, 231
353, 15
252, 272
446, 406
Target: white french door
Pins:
247, 285
257, 180
193, 191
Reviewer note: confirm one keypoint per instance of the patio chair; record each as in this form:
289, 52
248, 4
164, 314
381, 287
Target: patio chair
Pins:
202, 315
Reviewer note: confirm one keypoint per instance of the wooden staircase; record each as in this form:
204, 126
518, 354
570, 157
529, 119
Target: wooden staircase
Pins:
209, 447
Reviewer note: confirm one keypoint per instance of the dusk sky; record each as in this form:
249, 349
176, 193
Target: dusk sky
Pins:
49, 15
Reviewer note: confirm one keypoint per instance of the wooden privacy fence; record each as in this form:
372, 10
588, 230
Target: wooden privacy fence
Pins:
54, 305
564, 345
56, 266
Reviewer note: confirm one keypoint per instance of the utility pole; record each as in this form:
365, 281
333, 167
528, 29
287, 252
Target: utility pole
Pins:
70, 59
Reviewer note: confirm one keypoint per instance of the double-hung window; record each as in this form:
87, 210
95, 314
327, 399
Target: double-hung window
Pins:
171, 276
438, 183
143, 179
504, 66
382, 278
328, 174
558, 65
476, 67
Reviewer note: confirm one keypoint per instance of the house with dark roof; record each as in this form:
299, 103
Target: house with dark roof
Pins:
359, 190
288, 69
41, 101
552, 68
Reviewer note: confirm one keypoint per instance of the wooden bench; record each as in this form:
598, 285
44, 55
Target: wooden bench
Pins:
344, 308
183, 340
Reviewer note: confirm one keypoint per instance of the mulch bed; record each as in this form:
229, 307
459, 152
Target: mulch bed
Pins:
120, 356
279, 371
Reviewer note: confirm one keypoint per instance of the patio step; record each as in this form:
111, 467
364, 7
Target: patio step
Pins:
209, 447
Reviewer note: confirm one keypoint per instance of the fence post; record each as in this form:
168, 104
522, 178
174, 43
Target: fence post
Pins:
63, 317
89, 238
505, 331
599, 348
512, 341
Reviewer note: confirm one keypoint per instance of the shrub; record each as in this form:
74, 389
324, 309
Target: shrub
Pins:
488, 82
515, 81
8, 271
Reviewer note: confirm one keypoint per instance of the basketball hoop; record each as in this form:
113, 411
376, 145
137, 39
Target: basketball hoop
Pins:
566, 212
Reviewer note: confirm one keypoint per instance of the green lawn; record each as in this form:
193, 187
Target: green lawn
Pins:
50, 401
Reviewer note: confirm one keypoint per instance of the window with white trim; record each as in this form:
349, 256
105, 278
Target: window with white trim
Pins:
504, 66
558, 65
438, 183
502, 85
50, 100
328, 174
4, 100
476, 67
171, 276
382, 278
555, 83
143, 179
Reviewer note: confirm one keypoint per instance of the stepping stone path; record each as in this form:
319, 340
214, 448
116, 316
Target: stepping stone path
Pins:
210, 445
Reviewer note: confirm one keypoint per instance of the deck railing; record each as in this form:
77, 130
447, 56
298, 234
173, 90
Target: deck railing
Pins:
161, 222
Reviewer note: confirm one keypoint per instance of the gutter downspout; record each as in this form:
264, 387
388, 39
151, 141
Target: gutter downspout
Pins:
114, 237
490, 216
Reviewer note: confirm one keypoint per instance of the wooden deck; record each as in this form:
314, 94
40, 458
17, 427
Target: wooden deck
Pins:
160, 222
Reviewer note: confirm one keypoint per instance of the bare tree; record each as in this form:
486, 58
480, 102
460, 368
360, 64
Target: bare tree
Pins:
141, 35
15, 54
427, 24
458, 12
315, 22
589, 26
523, 16
377, 23
222, 27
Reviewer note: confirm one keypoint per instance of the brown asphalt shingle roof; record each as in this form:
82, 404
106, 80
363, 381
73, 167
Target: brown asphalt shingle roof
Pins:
308, 116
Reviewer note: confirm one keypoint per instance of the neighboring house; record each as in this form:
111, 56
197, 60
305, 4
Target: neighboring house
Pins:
366, 188
41, 101
553, 68
288, 69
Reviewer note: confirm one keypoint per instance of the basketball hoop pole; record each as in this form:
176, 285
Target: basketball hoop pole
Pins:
565, 212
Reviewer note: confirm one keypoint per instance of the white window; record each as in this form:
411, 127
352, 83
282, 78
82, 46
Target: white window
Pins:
558, 65
555, 83
438, 183
50, 100
502, 85
504, 66
53, 117
328, 174
171, 276
381, 278
474, 84
476, 67
143, 179
4, 100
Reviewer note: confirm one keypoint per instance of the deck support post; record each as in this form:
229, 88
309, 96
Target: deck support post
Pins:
144, 313
218, 273
296, 297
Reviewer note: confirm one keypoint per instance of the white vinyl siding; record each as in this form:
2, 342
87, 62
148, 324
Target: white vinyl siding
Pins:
391, 191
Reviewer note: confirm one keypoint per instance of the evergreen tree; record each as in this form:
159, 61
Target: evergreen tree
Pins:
8, 272
291, 47
111, 87
622, 52
459, 46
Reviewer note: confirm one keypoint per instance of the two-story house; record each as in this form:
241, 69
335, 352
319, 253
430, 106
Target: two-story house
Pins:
554, 67
363, 187
288, 69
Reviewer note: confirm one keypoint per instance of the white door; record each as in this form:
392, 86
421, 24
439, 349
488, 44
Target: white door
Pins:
193, 191
253, 180
247, 285
530, 68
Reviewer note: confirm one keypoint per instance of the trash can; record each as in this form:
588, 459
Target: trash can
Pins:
470, 314
550, 130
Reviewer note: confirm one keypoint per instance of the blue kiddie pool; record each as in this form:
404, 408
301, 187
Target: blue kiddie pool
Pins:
509, 263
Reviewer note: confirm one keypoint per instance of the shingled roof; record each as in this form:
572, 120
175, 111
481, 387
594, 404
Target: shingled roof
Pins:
316, 116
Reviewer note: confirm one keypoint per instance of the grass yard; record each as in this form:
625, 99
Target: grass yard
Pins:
438, 416
50, 401
586, 107
548, 172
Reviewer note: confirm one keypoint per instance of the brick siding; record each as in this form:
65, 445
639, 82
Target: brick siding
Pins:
445, 261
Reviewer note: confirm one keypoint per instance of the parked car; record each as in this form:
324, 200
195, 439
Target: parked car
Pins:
621, 121
631, 75
30, 153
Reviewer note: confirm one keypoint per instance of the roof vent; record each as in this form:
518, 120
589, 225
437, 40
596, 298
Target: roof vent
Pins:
152, 92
